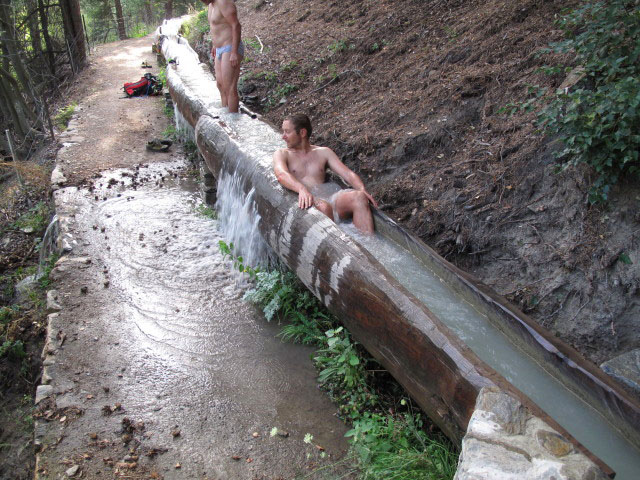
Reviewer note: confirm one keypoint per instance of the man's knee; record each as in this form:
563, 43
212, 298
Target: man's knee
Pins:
360, 200
325, 208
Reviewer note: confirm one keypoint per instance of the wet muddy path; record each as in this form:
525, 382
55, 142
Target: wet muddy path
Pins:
155, 367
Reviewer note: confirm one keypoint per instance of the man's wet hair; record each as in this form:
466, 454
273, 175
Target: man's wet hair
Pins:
300, 120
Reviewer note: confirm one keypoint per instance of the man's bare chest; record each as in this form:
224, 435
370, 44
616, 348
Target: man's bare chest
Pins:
215, 15
307, 167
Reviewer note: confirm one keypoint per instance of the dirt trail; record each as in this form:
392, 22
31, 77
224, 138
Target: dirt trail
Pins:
155, 367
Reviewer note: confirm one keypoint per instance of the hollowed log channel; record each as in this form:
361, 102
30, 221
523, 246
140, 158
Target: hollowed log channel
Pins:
438, 370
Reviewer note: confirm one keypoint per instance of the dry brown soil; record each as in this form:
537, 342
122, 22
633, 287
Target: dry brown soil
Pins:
409, 92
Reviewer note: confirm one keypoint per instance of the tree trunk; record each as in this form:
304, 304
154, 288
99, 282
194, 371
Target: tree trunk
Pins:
74, 33
168, 9
36, 42
14, 104
5, 57
44, 22
10, 41
148, 12
122, 34
34, 29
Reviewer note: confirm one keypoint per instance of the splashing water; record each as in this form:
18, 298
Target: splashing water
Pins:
183, 128
239, 219
49, 244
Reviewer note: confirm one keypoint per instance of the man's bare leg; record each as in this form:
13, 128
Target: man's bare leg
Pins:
227, 80
355, 204
324, 207
220, 80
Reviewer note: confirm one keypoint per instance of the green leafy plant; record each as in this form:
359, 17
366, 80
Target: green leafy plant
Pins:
35, 219
535, 94
7, 314
305, 329
252, 43
139, 30
332, 70
597, 119
398, 447
171, 132
624, 258
338, 361
343, 374
266, 75
162, 78
45, 280
194, 28
289, 66
275, 292
339, 46
282, 91
451, 33
63, 117
207, 211
12, 350
238, 261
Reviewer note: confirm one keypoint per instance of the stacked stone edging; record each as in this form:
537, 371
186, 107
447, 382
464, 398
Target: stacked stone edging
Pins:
504, 441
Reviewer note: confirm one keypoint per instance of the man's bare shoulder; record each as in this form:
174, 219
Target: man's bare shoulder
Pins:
318, 150
322, 152
281, 154
226, 5
282, 151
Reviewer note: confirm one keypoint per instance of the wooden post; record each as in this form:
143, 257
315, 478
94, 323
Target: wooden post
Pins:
49, 122
15, 158
71, 62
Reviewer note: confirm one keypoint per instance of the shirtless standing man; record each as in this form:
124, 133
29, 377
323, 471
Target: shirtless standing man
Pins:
301, 167
227, 49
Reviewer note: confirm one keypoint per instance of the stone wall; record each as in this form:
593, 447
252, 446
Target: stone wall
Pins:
504, 441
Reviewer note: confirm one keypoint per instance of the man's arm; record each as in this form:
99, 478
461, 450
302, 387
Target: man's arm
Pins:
287, 180
348, 175
230, 14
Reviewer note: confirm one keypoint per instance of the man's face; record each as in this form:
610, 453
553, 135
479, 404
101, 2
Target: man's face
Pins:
289, 134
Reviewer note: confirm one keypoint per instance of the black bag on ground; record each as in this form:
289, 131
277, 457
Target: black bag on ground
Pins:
147, 85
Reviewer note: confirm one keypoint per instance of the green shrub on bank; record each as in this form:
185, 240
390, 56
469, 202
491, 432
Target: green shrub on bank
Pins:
194, 28
12, 349
398, 447
63, 117
598, 120
34, 220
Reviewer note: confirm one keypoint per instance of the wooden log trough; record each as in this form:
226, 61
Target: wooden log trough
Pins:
437, 369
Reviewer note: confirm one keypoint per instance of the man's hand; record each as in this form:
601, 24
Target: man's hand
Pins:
371, 199
305, 199
233, 59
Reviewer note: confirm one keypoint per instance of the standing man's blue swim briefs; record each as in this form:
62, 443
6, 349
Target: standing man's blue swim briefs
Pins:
227, 48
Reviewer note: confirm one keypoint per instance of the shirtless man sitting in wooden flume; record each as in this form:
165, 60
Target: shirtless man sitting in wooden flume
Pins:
301, 167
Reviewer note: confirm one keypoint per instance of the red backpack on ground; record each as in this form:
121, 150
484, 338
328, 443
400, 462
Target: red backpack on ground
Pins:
147, 85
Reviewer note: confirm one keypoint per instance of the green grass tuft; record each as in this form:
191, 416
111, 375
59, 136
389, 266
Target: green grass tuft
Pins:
63, 117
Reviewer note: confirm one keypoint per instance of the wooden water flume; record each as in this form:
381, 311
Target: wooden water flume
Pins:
438, 370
